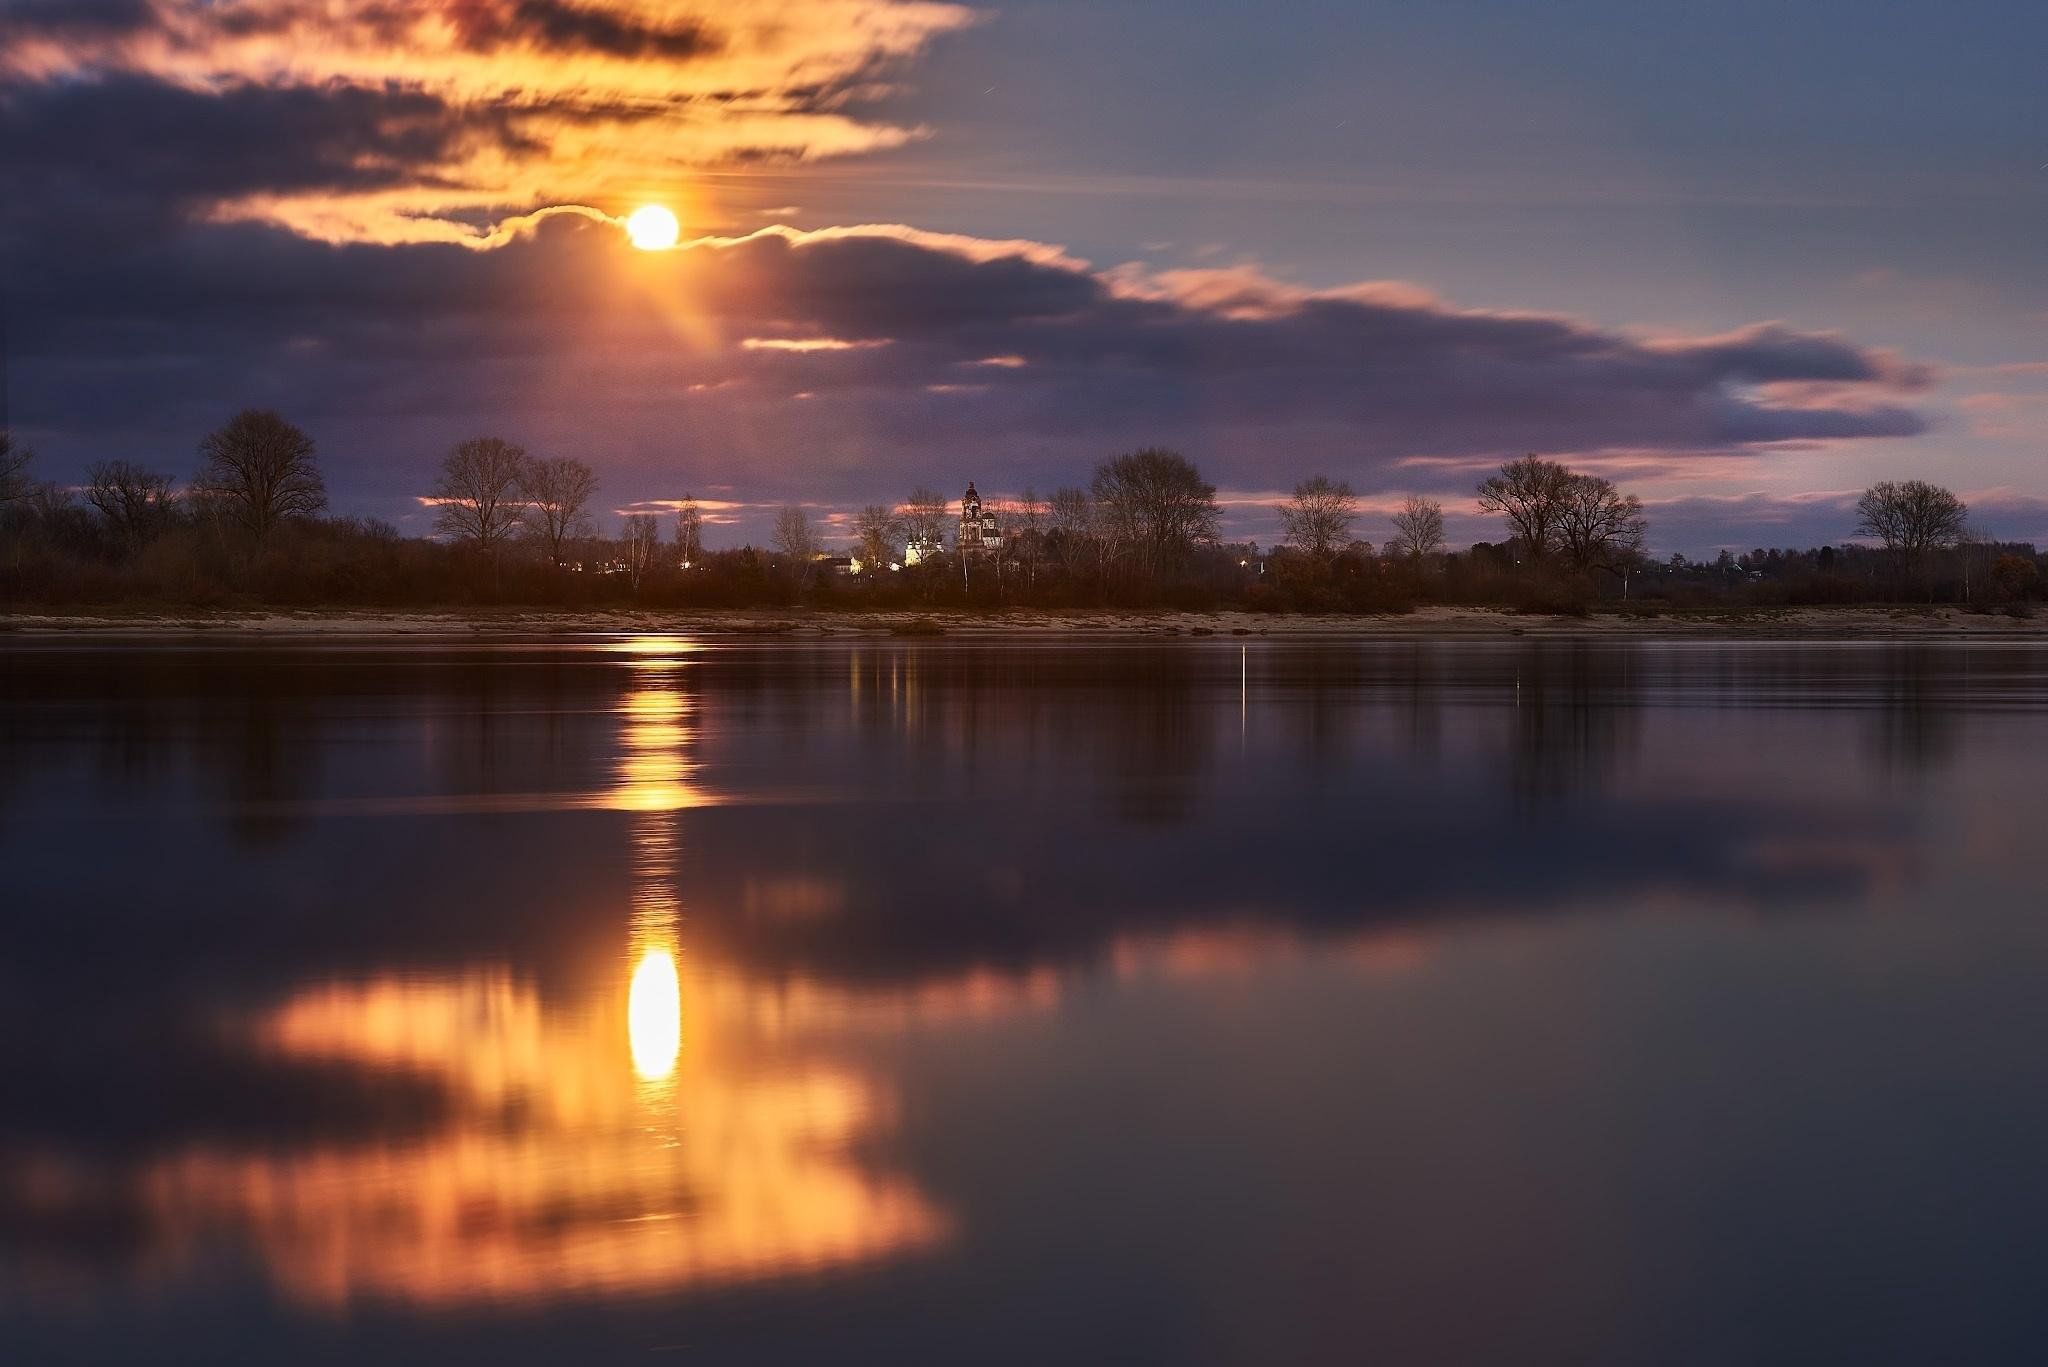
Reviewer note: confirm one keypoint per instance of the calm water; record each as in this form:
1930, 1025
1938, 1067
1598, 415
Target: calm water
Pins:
1206, 1001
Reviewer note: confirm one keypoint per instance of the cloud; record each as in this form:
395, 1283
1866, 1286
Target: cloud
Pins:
553, 26
431, 119
803, 344
683, 369
1771, 353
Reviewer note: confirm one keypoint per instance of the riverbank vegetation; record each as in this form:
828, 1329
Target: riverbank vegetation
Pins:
251, 529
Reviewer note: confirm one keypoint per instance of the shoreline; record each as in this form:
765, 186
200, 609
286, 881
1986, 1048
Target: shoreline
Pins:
1815, 623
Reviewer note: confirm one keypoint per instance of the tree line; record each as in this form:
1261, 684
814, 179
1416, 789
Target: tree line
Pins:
251, 526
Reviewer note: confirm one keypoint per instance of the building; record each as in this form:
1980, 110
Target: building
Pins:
980, 528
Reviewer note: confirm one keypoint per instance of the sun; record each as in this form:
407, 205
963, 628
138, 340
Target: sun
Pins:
653, 228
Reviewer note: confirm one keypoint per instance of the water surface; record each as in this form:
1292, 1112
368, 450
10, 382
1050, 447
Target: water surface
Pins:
589, 999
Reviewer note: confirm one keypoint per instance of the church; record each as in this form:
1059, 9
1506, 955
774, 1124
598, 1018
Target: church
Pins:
980, 529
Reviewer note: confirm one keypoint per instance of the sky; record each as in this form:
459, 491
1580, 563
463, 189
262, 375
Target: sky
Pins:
1744, 259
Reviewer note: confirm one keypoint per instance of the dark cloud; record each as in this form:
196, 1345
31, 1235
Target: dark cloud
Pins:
557, 25
72, 18
484, 25
1703, 524
1771, 353
569, 27
1007, 359
129, 155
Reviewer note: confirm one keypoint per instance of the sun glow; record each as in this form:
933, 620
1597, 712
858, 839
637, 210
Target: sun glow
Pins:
653, 228
654, 1015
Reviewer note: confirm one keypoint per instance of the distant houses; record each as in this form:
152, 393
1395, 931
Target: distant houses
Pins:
981, 533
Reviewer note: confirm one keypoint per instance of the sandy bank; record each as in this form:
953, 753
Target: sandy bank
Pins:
1820, 623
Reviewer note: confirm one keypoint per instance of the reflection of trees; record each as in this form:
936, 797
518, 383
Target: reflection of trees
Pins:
134, 712
1919, 712
134, 743
912, 806
473, 747
1138, 725
18, 746
257, 751
514, 725
1156, 745
1421, 677
1322, 692
1575, 717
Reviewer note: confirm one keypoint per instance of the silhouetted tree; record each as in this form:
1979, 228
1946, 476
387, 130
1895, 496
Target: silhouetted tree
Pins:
15, 485
1026, 530
1531, 494
1598, 527
689, 532
877, 529
795, 537
477, 495
1418, 529
1073, 523
2014, 575
135, 503
924, 516
1155, 508
557, 494
1318, 518
641, 541
1912, 518
259, 469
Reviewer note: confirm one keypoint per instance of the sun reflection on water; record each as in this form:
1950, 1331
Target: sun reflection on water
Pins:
653, 783
654, 1016
546, 1179
564, 1156
574, 1158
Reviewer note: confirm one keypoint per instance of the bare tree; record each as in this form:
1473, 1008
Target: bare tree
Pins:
1599, 527
689, 532
877, 529
1912, 518
259, 470
924, 517
1530, 493
477, 496
2014, 575
642, 541
795, 537
1418, 529
134, 502
1155, 507
557, 494
1028, 513
15, 486
1027, 530
1072, 513
1319, 516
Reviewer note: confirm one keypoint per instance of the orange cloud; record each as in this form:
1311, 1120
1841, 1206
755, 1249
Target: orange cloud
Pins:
721, 1173
587, 101
812, 343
